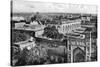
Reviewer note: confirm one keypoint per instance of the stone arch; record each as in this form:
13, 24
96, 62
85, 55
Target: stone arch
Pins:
78, 55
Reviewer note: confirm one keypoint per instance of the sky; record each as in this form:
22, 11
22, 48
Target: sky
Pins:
46, 7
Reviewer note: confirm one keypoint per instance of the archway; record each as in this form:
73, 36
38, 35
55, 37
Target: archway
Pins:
78, 55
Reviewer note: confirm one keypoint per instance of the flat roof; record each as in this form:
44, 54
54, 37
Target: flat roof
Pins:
26, 29
31, 27
71, 21
23, 43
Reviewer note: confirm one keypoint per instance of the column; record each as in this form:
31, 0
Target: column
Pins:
90, 47
71, 54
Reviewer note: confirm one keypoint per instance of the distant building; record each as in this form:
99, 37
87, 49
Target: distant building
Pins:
19, 25
16, 21
39, 33
26, 44
34, 23
17, 18
37, 29
68, 26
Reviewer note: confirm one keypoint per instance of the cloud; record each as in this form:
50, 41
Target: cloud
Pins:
30, 6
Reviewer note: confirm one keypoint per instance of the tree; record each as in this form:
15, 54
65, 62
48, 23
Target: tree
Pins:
52, 32
18, 36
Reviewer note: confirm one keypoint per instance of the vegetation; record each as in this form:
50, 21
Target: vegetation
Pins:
36, 55
18, 36
52, 32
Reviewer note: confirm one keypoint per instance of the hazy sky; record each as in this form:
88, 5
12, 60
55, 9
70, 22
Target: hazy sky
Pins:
32, 6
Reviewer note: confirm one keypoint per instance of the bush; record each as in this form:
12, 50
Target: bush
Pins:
34, 56
18, 36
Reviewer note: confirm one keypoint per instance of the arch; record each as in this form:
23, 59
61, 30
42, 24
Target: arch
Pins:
78, 55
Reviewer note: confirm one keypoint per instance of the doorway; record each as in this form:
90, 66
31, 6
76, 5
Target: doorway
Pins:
78, 55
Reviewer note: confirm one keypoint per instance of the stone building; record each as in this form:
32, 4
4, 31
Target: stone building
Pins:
69, 26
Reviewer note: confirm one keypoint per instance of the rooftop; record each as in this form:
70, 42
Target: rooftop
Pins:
71, 21
17, 18
29, 27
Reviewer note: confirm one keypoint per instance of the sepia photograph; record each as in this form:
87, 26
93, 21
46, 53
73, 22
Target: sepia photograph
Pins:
52, 33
